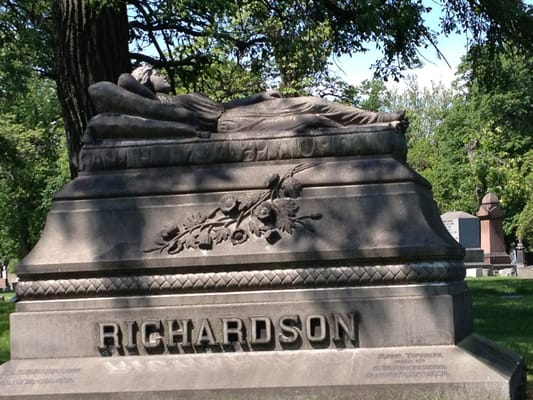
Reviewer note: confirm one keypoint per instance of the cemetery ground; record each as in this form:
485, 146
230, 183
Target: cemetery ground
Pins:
503, 312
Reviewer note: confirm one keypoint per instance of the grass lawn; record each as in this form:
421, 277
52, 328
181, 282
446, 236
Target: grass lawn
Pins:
503, 312
6, 308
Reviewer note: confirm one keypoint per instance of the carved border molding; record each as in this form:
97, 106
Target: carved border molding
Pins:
243, 147
437, 271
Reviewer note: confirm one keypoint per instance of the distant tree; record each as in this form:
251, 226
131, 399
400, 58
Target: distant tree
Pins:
33, 165
498, 115
477, 138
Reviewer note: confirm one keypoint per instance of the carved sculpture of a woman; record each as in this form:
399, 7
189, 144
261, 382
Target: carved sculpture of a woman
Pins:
144, 93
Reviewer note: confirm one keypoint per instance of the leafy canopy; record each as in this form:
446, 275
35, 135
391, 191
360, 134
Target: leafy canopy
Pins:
32, 149
289, 43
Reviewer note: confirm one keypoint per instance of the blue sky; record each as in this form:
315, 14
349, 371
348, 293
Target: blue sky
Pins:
357, 68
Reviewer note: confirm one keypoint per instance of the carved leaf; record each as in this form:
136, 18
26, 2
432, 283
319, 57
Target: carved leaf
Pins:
220, 234
192, 241
249, 201
193, 220
175, 247
285, 208
257, 228
290, 187
286, 225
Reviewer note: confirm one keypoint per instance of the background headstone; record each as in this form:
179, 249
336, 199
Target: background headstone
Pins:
465, 229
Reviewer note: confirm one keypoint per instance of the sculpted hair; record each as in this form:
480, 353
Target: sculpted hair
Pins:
142, 74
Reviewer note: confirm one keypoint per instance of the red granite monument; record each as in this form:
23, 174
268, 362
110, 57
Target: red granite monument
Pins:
491, 216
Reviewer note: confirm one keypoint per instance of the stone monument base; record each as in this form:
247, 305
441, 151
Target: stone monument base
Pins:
525, 272
281, 265
369, 342
476, 369
475, 264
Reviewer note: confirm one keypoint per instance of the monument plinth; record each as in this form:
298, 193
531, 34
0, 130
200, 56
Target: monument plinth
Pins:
307, 263
491, 217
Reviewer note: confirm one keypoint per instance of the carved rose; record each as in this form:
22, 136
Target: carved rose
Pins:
263, 211
239, 236
272, 236
291, 187
272, 181
227, 203
169, 232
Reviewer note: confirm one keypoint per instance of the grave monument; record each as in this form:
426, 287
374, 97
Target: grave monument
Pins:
464, 228
491, 216
264, 249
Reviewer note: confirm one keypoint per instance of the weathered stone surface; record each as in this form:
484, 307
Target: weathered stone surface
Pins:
242, 147
303, 266
473, 370
97, 233
371, 316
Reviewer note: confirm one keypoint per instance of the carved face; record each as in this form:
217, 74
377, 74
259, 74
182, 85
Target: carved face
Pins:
159, 82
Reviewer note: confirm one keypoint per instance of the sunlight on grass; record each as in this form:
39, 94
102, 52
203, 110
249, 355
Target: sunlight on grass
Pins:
6, 308
503, 312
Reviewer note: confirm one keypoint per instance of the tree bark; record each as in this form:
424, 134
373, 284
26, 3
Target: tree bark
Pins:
91, 45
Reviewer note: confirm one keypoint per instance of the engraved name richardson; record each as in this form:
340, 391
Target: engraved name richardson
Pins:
188, 335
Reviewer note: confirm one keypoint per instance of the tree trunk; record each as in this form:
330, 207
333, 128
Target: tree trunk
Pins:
91, 45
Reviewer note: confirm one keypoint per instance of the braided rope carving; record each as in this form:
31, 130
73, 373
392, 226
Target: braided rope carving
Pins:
240, 280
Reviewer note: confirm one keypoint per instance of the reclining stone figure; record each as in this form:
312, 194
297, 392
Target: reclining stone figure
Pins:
140, 102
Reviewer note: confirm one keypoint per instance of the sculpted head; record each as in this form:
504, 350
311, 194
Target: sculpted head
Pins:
151, 78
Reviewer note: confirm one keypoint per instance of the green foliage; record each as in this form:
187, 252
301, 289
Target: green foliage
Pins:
475, 138
493, 122
32, 157
289, 43
33, 166
255, 43
369, 95
32, 148
25, 40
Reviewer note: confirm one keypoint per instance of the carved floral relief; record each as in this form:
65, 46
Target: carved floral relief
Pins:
268, 214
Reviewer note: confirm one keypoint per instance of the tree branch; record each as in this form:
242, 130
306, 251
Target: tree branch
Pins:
158, 63
166, 26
